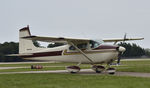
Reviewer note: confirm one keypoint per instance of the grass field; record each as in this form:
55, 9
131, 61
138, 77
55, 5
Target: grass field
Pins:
126, 66
46, 66
135, 66
71, 81
74, 80
29, 64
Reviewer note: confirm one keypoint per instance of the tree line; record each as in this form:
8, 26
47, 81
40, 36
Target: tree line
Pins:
132, 50
9, 48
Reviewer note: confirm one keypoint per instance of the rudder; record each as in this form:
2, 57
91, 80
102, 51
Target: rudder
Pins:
26, 46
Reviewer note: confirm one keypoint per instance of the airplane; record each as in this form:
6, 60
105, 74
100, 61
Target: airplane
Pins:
73, 50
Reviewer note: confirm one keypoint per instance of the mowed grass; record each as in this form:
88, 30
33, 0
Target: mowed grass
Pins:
134, 66
46, 80
46, 66
29, 64
29, 69
71, 81
126, 66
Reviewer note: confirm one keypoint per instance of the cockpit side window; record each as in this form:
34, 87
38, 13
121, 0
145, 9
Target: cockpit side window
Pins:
94, 44
80, 46
72, 48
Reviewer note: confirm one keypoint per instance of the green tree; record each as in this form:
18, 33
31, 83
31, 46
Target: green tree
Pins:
147, 52
9, 48
132, 50
51, 45
36, 43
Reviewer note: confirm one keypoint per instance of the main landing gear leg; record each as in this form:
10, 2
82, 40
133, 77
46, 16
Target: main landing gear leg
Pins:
75, 69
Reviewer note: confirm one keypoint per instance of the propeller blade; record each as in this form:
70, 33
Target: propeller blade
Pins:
120, 53
119, 58
125, 37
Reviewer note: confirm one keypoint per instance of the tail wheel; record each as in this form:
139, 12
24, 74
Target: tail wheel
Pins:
73, 69
98, 68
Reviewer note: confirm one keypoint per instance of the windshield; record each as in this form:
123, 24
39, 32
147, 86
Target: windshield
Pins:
95, 43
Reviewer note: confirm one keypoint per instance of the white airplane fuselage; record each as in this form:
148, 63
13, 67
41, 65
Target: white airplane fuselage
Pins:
102, 54
72, 50
78, 51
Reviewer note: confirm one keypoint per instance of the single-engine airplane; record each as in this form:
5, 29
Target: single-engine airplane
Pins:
74, 50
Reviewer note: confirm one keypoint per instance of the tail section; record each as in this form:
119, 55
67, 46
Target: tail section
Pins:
26, 46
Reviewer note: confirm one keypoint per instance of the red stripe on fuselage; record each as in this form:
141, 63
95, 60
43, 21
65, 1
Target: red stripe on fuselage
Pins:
43, 54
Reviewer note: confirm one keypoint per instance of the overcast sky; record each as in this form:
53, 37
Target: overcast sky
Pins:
76, 18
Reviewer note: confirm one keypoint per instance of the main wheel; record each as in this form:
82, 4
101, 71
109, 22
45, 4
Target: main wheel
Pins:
111, 71
73, 69
98, 68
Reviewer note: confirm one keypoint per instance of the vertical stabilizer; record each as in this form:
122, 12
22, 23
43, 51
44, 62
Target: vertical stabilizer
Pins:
26, 46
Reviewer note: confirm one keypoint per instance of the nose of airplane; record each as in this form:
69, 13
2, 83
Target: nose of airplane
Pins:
121, 49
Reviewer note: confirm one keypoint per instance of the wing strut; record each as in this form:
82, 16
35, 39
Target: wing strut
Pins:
82, 52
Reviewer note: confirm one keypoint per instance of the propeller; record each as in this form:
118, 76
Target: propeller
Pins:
119, 58
125, 37
121, 49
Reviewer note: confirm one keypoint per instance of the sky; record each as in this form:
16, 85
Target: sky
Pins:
94, 19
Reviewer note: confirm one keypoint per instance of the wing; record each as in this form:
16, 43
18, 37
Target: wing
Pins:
71, 41
56, 39
118, 40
